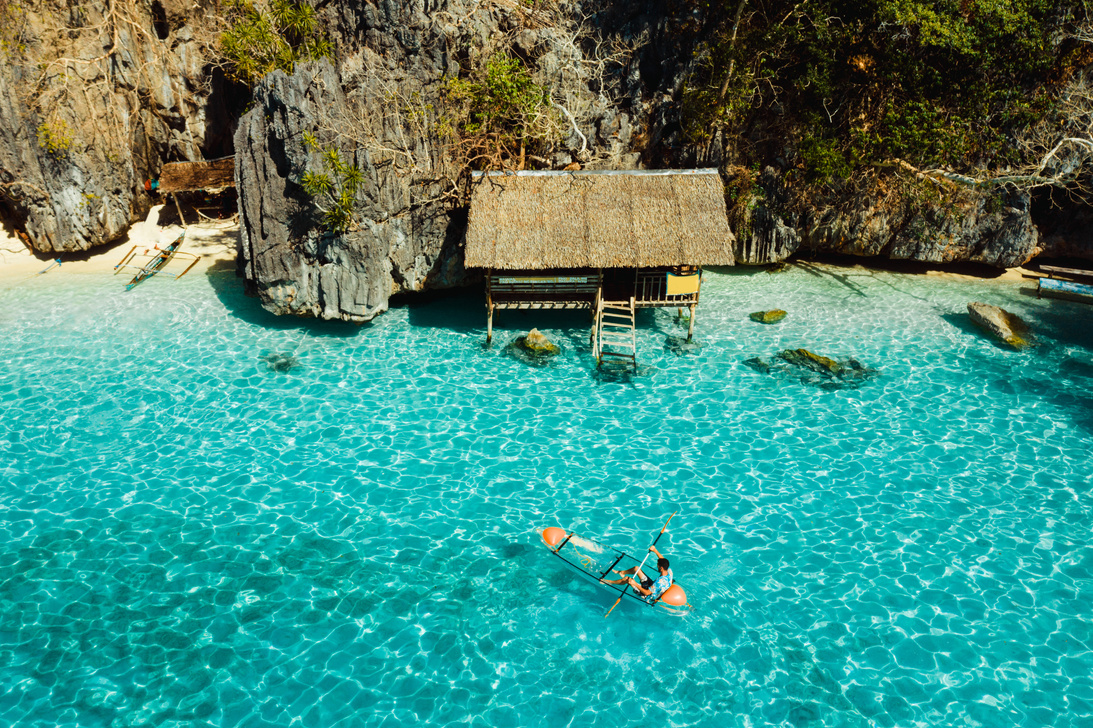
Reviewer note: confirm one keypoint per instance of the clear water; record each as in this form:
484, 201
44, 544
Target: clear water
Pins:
191, 538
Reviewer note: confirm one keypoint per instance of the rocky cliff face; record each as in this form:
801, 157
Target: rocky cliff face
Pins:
403, 239
612, 70
618, 69
927, 223
94, 96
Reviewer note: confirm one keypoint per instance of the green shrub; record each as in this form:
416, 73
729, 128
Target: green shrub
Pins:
857, 82
55, 137
496, 110
333, 190
276, 37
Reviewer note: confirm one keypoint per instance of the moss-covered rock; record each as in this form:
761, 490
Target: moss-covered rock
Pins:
533, 348
807, 360
536, 343
768, 317
813, 369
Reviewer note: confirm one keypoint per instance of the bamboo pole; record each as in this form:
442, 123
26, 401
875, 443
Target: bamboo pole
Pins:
179, 208
489, 307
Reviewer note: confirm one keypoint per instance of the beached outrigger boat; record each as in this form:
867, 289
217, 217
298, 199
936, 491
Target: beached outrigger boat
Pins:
595, 561
157, 260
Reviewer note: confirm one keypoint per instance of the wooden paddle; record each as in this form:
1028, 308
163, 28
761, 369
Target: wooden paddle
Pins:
647, 552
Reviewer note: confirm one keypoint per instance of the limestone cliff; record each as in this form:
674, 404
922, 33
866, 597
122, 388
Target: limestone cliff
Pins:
900, 221
97, 95
94, 97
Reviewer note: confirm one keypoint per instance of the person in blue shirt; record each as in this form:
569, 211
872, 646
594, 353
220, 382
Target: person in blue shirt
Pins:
649, 588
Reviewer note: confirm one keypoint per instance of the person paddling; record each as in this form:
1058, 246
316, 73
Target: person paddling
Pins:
651, 589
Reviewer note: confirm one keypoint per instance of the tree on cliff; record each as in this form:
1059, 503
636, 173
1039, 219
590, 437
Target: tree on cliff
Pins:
957, 91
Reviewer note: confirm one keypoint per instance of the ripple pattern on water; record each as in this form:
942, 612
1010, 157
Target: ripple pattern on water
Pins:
191, 537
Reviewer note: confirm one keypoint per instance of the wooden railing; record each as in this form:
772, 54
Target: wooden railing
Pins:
507, 289
651, 288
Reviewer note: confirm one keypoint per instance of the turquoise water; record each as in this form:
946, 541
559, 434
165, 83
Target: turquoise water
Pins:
190, 537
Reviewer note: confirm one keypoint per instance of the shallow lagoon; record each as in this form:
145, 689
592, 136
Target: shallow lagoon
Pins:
191, 537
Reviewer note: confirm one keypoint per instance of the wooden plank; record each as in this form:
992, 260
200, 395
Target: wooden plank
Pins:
542, 305
1076, 272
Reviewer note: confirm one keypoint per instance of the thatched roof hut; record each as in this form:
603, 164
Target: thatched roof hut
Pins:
191, 176
610, 219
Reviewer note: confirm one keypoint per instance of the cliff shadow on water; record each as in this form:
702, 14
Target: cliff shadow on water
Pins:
229, 288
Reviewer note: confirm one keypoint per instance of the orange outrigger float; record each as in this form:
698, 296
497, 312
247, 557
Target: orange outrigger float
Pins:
157, 260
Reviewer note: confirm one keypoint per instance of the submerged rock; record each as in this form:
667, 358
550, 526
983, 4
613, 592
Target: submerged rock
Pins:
280, 362
814, 369
768, 317
681, 346
1001, 324
758, 365
807, 360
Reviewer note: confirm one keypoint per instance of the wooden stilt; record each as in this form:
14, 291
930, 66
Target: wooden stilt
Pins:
691, 325
489, 323
179, 208
596, 315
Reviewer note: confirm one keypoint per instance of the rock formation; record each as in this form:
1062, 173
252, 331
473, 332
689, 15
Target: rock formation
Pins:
92, 103
382, 109
994, 227
814, 369
533, 349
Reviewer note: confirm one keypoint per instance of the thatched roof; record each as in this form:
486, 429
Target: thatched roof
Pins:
190, 176
540, 220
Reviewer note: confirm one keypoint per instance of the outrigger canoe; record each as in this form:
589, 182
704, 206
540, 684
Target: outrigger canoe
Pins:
595, 561
158, 258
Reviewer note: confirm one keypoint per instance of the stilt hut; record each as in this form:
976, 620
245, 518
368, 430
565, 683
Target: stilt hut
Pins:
607, 241
178, 177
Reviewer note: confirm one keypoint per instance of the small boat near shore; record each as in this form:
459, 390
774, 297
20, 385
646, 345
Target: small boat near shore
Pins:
153, 261
595, 561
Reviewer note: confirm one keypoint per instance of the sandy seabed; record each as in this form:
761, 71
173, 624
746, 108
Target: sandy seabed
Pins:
211, 240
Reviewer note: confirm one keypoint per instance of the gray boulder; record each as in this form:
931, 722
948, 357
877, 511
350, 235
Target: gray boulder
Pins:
1000, 324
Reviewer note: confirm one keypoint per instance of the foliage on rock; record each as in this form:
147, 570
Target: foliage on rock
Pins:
497, 113
55, 137
266, 37
855, 84
333, 190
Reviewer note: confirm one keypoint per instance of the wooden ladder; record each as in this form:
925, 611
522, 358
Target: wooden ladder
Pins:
615, 336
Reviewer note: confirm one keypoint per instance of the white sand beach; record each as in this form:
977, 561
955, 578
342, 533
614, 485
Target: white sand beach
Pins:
212, 240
